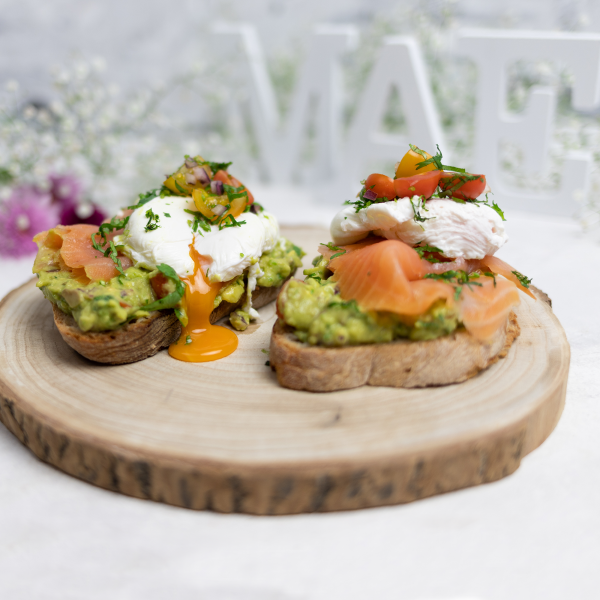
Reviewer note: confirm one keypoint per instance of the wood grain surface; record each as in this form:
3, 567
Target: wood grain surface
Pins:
224, 436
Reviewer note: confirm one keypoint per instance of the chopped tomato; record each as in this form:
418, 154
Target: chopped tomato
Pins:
417, 185
407, 167
222, 176
459, 185
231, 180
160, 285
382, 185
237, 183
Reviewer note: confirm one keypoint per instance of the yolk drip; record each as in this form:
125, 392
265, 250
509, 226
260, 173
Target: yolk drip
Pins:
200, 341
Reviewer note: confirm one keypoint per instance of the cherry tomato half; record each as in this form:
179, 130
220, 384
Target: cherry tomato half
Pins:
459, 186
417, 185
382, 185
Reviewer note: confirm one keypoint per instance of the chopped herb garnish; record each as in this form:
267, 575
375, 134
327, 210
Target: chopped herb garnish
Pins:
314, 276
497, 209
153, 220
111, 250
217, 166
362, 202
264, 351
235, 192
331, 246
199, 222
492, 275
188, 339
167, 215
242, 255
425, 249
229, 221
417, 215
436, 159
150, 195
523, 280
457, 279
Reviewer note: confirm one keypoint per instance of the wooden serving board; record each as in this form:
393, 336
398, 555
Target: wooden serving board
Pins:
224, 436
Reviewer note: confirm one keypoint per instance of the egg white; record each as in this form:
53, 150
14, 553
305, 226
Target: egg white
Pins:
232, 249
469, 231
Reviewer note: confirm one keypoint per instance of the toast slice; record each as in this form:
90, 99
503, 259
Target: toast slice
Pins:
401, 363
143, 337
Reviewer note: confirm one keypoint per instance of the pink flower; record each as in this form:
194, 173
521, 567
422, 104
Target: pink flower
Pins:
26, 212
82, 213
66, 190
67, 194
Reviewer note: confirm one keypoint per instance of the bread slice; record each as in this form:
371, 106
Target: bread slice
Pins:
144, 337
401, 363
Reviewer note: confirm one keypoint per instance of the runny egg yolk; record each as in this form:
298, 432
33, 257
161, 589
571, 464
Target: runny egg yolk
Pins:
201, 341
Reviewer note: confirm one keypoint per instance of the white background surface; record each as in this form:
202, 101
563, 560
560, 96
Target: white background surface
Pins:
535, 534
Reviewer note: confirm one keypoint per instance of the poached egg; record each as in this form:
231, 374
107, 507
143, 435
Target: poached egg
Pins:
469, 231
161, 231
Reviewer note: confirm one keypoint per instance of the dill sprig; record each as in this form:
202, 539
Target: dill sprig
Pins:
338, 251
523, 280
457, 279
423, 250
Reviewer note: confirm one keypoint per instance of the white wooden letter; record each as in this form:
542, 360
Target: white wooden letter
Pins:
401, 65
319, 81
493, 51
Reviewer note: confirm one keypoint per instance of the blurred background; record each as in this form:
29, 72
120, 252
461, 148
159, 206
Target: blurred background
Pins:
100, 99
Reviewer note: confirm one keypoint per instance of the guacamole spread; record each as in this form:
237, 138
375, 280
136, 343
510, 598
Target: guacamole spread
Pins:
314, 309
107, 305
275, 267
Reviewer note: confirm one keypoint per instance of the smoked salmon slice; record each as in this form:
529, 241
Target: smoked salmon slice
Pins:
76, 252
388, 276
483, 309
329, 251
496, 265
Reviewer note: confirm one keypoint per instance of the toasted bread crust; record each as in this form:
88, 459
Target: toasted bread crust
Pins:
401, 363
144, 337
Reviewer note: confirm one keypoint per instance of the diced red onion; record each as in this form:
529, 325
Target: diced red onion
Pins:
191, 179
216, 187
219, 209
190, 163
370, 195
201, 175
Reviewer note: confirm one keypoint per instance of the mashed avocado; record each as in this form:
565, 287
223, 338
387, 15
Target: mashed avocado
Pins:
276, 266
320, 317
104, 306
99, 305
